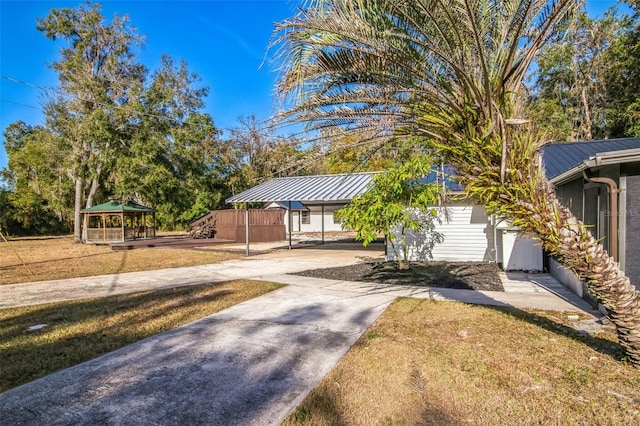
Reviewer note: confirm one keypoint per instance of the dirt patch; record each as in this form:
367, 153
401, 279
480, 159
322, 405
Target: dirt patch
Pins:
458, 275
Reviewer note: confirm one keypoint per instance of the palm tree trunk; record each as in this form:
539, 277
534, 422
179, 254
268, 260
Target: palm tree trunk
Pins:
581, 252
530, 202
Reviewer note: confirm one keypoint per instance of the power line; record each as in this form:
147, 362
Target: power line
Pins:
21, 104
119, 107
25, 83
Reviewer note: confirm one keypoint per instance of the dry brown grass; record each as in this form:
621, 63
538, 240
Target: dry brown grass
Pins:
58, 257
80, 330
441, 363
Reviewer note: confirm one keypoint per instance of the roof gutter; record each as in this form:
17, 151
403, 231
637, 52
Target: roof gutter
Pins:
600, 159
615, 157
569, 174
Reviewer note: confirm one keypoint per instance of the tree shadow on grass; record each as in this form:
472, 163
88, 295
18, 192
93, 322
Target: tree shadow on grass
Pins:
323, 406
592, 340
464, 276
90, 329
600, 345
40, 262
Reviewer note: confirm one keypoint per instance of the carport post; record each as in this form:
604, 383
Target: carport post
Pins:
246, 228
322, 215
290, 224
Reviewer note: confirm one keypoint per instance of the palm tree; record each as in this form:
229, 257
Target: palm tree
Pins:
450, 72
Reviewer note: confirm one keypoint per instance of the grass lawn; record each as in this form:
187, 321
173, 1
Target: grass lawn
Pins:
52, 258
80, 330
425, 362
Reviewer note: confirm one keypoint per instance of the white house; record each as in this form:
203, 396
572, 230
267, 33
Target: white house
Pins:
471, 235
599, 181
309, 217
311, 202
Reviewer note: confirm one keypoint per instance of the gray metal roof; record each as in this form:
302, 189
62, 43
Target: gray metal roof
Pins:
559, 158
318, 188
444, 173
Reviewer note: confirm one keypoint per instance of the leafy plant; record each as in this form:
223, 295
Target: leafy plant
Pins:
398, 201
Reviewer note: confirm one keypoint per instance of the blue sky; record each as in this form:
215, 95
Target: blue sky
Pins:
223, 41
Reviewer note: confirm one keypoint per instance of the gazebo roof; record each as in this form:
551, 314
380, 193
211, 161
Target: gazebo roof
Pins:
116, 207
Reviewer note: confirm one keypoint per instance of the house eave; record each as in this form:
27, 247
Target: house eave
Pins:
598, 160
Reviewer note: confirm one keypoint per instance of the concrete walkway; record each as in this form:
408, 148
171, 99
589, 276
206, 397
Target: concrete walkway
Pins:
251, 364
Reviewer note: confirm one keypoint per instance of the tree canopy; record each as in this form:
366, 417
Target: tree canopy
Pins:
113, 130
586, 83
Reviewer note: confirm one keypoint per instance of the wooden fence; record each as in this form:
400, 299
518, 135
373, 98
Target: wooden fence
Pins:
264, 225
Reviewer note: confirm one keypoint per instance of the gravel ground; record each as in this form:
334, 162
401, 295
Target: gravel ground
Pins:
459, 275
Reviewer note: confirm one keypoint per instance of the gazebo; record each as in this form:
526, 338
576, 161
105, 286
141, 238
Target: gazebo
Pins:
113, 221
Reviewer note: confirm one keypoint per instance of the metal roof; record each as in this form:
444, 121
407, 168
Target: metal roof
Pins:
318, 188
115, 206
446, 173
559, 158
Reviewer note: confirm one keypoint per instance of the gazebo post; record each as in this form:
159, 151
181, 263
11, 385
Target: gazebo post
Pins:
104, 227
122, 225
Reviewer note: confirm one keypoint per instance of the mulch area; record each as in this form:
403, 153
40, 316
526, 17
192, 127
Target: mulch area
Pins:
457, 275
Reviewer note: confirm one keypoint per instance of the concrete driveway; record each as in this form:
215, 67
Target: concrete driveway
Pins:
251, 364
277, 262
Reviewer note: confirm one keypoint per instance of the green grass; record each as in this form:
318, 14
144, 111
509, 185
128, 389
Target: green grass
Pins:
80, 330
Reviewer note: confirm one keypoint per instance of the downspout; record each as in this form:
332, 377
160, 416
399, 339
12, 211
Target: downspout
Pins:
613, 202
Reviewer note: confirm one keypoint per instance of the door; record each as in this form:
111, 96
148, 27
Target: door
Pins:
295, 219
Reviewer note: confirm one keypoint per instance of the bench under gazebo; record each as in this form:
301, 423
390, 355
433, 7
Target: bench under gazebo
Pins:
113, 221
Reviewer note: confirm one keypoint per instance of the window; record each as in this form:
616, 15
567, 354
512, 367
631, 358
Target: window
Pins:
306, 217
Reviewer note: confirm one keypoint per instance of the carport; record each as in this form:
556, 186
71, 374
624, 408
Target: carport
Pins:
317, 190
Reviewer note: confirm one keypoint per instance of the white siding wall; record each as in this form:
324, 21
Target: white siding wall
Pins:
316, 219
468, 236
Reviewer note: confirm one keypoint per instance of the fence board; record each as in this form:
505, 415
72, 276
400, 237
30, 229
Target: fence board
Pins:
264, 225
